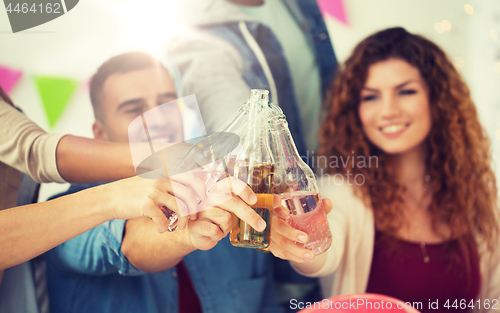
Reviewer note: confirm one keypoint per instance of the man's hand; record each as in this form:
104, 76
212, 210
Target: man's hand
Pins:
284, 238
209, 228
215, 219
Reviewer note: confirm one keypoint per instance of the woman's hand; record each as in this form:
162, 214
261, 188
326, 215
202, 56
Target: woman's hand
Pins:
285, 239
137, 197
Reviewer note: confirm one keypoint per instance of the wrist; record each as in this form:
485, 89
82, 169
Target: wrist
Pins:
190, 247
102, 203
97, 206
127, 168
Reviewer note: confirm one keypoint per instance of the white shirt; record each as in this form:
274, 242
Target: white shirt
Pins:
348, 261
301, 61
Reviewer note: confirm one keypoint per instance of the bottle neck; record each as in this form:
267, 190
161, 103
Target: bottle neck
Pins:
238, 123
281, 133
256, 143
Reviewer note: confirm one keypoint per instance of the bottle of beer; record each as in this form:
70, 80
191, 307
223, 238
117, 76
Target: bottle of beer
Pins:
254, 165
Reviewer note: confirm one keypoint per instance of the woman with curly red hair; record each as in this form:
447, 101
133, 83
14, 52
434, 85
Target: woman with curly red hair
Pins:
415, 213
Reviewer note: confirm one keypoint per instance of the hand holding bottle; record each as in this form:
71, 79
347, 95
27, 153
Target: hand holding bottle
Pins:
228, 201
287, 242
137, 197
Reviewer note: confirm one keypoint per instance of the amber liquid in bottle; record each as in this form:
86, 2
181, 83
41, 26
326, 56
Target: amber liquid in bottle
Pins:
260, 178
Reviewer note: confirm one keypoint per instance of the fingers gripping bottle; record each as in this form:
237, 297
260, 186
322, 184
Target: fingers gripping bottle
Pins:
254, 165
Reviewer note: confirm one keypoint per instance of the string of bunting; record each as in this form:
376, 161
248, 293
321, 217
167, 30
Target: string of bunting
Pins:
55, 92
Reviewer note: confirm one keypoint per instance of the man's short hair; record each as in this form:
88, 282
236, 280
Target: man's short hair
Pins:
123, 63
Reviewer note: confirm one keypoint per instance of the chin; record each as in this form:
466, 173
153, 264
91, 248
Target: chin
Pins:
394, 150
401, 147
393, 146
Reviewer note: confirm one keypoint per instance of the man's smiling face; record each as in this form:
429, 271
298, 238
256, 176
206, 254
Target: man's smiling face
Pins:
127, 95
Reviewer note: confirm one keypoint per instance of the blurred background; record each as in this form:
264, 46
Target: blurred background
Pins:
46, 69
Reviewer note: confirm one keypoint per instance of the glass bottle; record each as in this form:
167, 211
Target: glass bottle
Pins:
255, 166
237, 125
210, 157
296, 184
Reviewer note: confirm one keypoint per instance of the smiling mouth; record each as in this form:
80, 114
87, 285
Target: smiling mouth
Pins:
392, 129
163, 138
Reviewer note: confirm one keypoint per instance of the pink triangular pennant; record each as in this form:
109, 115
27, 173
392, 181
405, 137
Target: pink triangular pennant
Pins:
9, 78
334, 8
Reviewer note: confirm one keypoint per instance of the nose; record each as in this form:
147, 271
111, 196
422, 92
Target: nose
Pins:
391, 107
155, 118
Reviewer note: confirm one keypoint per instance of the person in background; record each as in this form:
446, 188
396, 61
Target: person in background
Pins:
421, 224
56, 158
125, 266
30, 230
233, 46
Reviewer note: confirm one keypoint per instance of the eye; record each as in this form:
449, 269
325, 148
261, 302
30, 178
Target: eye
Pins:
368, 98
169, 105
134, 111
407, 92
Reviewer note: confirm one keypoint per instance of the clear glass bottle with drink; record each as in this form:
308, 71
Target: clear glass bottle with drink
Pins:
211, 157
296, 184
254, 165
237, 125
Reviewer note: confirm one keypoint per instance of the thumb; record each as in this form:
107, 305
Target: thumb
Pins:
328, 205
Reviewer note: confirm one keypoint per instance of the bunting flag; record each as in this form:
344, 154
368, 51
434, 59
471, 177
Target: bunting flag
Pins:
9, 78
334, 8
55, 93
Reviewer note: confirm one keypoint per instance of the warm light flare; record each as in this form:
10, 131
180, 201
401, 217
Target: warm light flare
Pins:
446, 25
469, 9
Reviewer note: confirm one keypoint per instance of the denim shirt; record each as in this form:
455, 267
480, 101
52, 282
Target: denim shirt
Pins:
89, 273
308, 15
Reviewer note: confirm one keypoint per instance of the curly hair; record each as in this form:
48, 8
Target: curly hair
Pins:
458, 161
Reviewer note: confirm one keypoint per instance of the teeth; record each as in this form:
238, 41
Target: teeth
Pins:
393, 128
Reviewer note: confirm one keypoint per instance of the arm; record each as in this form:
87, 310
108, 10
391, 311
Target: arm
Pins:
30, 230
111, 161
95, 252
212, 69
152, 252
86, 160
57, 158
26, 147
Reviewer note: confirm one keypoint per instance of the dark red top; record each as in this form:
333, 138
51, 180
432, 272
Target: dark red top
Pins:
398, 270
188, 299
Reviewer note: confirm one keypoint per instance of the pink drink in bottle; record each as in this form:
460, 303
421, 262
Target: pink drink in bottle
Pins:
310, 218
295, 182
